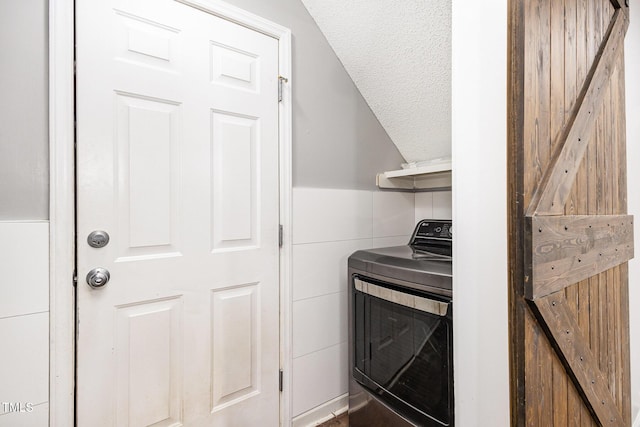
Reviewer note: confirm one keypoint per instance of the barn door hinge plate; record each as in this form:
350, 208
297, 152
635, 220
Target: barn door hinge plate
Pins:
281, 380
281, 81
280, 235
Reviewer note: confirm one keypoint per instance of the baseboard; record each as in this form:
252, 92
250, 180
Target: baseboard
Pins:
322, 413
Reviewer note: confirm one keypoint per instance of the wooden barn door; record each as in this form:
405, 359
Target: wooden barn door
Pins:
570, 235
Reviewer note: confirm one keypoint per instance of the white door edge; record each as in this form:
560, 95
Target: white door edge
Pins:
62, 199
61, 213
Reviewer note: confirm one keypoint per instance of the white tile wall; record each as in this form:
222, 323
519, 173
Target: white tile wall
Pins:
381, 242
393, 213
319, 377
424, 206
433, 205
328, 226
24, 359
24, 257
442, 205
319, 323
24, 322
323, 413
327, 215
320, 267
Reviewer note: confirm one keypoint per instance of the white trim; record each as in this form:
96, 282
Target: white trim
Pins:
323, 413
61, 213
286, 208
61, 116
246, 19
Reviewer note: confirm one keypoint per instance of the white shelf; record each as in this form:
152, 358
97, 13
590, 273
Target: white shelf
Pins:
430, 177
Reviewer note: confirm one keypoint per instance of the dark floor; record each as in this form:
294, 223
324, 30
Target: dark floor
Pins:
341, 420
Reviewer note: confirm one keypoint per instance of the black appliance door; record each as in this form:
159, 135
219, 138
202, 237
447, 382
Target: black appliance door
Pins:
403, 354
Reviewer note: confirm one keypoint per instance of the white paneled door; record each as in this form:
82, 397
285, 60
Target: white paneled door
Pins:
177, 160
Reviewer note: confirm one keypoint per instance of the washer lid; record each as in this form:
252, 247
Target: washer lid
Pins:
405, 264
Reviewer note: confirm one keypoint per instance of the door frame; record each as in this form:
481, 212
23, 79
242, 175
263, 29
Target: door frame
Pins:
62, 199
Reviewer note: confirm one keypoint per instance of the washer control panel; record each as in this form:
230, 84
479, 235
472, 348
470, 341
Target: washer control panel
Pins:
430, 229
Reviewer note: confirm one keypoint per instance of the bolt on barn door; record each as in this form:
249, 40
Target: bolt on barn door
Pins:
177, 159
570, 235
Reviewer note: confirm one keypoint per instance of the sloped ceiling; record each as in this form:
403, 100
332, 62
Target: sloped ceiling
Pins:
398, 53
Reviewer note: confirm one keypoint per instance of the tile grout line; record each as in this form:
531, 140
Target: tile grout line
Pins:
320, 349
321, 295
22, 315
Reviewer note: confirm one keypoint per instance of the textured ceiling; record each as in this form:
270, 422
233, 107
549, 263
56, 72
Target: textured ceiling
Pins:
398, 53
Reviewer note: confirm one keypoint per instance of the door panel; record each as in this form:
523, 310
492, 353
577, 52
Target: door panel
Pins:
235, 197
236, 323
177, 159
147, 165
148, 371
570, 235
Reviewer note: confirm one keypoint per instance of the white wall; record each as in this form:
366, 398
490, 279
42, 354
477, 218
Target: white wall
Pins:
24, 323
481, 350
632, 71
24, 161
328, 226
433, 205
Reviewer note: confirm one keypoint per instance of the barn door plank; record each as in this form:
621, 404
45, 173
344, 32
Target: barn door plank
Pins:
568, 249
624, 357
584, 60
576, 354
538, 75
558, 180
